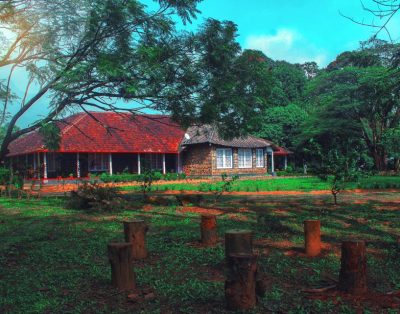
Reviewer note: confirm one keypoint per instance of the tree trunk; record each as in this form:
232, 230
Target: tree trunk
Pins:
312, 235
380, 161
240, 284
238, 242
397, 165
208, 227
135, 234
122, 275
353, 270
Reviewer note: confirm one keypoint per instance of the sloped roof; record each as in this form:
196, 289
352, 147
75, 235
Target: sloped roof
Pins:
209, 134
111, 133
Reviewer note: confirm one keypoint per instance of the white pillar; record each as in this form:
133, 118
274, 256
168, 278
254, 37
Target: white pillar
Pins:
110, 166
164, 168
285, 162
78, 166
272, 162
45, 166
34, 166
179, 165
138, 164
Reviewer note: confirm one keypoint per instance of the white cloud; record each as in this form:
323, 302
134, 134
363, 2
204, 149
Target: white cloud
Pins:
288, 45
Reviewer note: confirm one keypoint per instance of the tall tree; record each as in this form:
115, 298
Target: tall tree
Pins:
356, 102
85, 54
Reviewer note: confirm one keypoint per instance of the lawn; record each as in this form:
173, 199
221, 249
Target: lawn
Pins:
54, 260
304, 184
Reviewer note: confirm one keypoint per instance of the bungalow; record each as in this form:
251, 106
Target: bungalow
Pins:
116, 142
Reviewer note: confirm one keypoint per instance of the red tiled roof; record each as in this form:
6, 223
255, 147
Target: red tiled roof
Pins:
281, 151
116, 132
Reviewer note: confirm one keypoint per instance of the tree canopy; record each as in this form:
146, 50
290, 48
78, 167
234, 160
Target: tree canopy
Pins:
86, 54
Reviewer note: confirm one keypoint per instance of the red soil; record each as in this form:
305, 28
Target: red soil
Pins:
199, 210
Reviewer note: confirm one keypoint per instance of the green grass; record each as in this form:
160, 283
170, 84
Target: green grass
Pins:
303, 184
53, 260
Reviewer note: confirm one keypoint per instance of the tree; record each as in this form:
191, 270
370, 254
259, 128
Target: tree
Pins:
338, 169
282, 124
391, 140
86, 54
357, 97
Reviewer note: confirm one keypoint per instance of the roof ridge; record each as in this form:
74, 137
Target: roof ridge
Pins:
78, 119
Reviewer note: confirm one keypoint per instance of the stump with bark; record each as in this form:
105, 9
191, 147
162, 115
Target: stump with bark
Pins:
135, 234
312, 236
208, 228
122, 274
238, 241
353, 270
240, 284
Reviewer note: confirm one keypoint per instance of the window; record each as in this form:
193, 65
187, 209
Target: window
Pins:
98, 162
152, 161
245, 158
260, 158
224, 158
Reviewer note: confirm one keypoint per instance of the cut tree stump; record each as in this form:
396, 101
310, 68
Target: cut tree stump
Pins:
135, 234
312, 236
240, 284
353, 270
238, 241
120, 257
208, 228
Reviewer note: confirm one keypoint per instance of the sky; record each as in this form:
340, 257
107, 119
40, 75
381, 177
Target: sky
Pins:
293, 30
296, 30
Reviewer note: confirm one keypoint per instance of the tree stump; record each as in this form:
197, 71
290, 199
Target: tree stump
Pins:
122, 275
208, 228
135, 234
240, 284
238, 242
353, 270
312, 236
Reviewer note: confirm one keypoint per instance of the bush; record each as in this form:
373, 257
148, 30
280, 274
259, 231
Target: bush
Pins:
133, 177
5, 174
93, 197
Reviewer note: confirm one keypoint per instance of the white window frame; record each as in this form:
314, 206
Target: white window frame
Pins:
227, 158
260, 158
245, 158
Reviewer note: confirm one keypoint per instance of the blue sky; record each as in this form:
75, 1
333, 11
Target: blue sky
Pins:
296, 30
291, 30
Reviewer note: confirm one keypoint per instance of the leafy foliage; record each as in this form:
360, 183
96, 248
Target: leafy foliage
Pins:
96, 198
338, 169
51, 135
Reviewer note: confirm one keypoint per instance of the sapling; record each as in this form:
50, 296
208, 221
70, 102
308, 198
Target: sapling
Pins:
338, 170
226, 186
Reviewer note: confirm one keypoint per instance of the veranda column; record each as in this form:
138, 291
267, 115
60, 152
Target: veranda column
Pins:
164, 169
45, 165
110, 166
78, 166
40, 166
34, 166
285, 162
272, 162
179, 166
138, 163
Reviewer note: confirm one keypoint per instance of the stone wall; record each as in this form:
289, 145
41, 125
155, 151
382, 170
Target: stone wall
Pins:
196, 160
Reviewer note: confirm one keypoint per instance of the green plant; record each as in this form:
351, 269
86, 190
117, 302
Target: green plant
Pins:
94, 197
226, 186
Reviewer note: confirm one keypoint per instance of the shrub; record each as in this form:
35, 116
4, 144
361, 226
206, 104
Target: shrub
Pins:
132, 177
93, 197
5, 174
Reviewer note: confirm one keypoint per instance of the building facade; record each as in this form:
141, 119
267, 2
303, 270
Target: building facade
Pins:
119, 142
